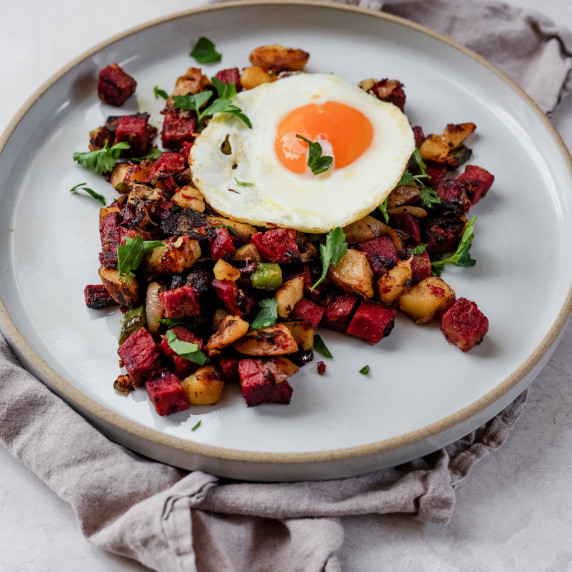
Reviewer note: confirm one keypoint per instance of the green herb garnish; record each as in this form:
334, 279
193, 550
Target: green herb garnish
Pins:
172, 322
81, 187
186, 350
320, 346
332, 252
102, 160
364, 370
158, 92
462, 256
153, 154
241, 184
231, 230
317, 163
268, 314
417, 250
224, 90
204, 52
428, 196
129, 255
383, 208
196, 426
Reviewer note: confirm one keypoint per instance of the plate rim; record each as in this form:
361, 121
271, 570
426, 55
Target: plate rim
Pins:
101, 413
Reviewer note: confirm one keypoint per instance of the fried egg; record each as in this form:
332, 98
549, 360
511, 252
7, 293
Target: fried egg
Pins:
261, 175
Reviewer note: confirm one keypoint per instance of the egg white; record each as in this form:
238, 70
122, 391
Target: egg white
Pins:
277, 196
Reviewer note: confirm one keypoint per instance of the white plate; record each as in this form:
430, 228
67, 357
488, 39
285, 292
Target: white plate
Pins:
422, 392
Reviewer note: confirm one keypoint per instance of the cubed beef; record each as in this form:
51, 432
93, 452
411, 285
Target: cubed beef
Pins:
222, 246
227, 291
231, 75
409, 225
262, 382
479, 180
372, 322
229, 368
419, 135
464, 325
180, 366
420, 267
390, 90
166, 165
277, 245
134, 130
381, 254
180, 302
167, 394
140, 356
436, 172
177, 129
453, 195
443, 234
108, 226
97, 297
309, 312
115, 86
177, 221
339, 312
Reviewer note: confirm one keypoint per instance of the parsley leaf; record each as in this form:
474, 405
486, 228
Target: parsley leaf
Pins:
195, 427
231, 230
224, 90
364, 370
429, 196
317, 163
320, 346
153, 154
241, 184
101, 160
90, 192
172, 322
418, 249
225, 105
268, 314
186, 350
334, 250
158, 92
129, 255
420, 163
204, 52
462, 256
192, 102
383, 208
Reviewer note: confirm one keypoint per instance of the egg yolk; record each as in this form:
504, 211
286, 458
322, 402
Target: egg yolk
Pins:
342, 131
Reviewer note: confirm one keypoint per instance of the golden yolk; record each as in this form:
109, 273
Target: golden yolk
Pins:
348, 131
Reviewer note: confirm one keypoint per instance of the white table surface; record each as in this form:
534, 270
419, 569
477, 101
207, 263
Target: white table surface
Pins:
513, 512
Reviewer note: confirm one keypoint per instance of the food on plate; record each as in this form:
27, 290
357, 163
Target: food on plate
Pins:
285, 202
115, 86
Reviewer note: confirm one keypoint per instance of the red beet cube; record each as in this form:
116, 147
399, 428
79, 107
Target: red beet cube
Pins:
339, 312
181, 366
222, 246
167, 394
409, 225
419, 135
372, 322
140, 356
227, 291
309, 312
180, 302
381, 254
166, 165
115, 86
262, 382
420, 267
229, 368
231, 75
480, 181
97, 297
177, 129
464, 325
277, 245
134, 130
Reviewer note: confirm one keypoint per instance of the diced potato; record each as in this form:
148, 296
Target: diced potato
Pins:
243, 229
435, 148
125, 175
224, 271
273, 341
247, 252
192, 82
123, 289
219, 315
353, 273
204, 387
303, 333
118, 176
392, 284
254, 76
456, 133
439, 148
177, 255
282, 368
427, 300
230, 329
288, 295
191, 198
106, 210
279, 58
365, 229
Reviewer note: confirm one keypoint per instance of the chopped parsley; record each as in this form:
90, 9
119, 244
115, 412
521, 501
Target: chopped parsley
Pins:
204, 52
383, 208
268, 314
81, 187
317, 163
153, 154
101, 160
195, 427
364, 370
129, 255
418, 249
462, 255
241, 184
158, 92
332, 252
427, 195
230, 229
320, 346
172, 322
186, 350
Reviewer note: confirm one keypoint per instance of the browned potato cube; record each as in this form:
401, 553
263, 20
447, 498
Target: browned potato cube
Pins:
204, 387
218, 316
106, 210
243, 229
303, 333
125, 175
123, 289
190, 198
153, 307
365, 229
230, 329
273, 341
439, 148
224, 271
279, 58
288, 295
435, 148
192, 82
254, 76
392, 284
456, 133
178, 254
248, 252
353, 273
427, 300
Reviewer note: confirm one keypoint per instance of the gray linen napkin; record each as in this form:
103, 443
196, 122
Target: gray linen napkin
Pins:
172, 520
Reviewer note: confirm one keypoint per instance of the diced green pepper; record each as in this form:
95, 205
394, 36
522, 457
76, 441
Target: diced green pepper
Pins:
268, 276
135, 318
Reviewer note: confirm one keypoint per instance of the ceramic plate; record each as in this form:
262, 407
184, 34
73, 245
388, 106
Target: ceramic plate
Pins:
421, 392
